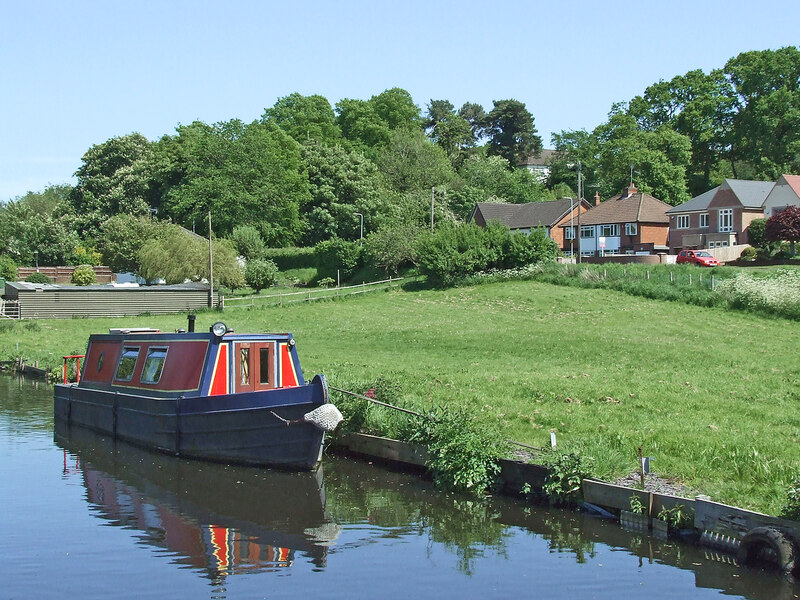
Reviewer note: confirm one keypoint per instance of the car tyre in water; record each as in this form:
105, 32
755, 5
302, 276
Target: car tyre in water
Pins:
768, 546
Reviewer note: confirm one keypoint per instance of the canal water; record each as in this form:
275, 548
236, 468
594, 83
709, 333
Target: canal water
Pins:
86, 518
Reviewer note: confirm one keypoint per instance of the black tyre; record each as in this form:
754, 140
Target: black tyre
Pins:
767, 547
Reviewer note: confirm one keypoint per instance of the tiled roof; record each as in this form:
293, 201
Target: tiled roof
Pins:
700, 202
524, 216
636, 208
542, 160
750, 193
794, 182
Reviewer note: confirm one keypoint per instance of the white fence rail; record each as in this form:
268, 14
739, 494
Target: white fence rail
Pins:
9, 309
310, 295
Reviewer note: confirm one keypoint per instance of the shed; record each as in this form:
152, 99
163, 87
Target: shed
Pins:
49, 301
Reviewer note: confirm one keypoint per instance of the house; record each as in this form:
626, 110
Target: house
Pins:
539, 165
632, 222
522, 218
785, 193
719, 217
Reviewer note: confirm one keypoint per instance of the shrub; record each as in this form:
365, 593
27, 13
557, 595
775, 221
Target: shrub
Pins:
248, 243
89, 256
83, 275
337, 254
756, 232
292, 258
457, 251
566, 470
8, 268
326, 282
463, 452
748, 253
260, 274
38, 278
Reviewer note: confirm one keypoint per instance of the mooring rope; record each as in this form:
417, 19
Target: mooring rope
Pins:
411, 412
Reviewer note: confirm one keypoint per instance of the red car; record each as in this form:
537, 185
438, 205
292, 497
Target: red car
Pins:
701, 258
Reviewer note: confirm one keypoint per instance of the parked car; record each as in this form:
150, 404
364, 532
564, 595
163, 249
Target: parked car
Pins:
701, 258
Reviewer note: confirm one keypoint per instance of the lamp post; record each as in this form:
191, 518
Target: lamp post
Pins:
361, 234
431, 209
571, 229
36, 258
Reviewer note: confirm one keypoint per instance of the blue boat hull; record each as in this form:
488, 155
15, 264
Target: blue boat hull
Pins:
234, 428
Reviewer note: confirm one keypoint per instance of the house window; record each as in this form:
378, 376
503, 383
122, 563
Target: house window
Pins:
726, 219
631, 228
704, 220
127, 362
587, 231
569, 233
609, 230
682, 222
154, 365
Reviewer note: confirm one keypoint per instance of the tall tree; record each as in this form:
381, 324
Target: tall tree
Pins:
766, 127
475, 116
243, 174
410, 162
305, 118
511, 132
341, 183
450, 131
115, 177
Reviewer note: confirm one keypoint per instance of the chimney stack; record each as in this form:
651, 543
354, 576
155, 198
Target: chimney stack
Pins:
597, 199
630, 190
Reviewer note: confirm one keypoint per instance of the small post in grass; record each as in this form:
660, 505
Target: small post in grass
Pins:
641, 466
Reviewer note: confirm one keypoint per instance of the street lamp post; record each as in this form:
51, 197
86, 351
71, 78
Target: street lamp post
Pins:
361, 233
36, 258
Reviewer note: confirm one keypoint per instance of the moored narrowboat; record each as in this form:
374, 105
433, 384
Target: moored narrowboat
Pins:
216, 395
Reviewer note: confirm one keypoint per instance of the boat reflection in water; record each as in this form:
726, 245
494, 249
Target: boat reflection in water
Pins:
216, 518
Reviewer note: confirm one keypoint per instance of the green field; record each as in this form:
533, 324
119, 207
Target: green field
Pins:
712, 394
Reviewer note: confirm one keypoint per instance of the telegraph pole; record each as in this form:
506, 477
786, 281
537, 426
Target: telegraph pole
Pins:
210, 267
580, 202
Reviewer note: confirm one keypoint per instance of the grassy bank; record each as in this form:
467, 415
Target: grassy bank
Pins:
711, 394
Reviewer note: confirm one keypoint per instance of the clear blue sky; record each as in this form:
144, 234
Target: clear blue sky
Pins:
77, 73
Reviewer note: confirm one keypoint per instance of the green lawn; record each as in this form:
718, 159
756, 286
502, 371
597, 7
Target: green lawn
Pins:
712, 394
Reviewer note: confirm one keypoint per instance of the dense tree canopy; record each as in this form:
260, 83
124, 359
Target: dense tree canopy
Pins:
511, 132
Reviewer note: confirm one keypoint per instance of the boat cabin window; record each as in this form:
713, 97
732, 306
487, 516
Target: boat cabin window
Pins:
264, 364
153, 365
127, 363
244, 361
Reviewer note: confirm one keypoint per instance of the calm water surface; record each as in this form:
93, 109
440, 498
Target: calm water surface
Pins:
87, 518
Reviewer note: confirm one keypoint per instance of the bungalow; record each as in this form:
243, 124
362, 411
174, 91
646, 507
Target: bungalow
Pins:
785, 193
522, 218
718, 217
632, 222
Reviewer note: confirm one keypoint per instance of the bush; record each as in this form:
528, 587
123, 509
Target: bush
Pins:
749, 253
260, 274
756, 232
463, 452
337, 254
8, 268
83, 275
791, 509
248, 243
38, 278
292, 258
454, 252
566, 470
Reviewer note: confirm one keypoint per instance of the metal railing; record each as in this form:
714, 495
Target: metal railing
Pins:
311, 295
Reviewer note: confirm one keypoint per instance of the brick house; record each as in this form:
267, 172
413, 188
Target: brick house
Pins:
719, 217
785, 193
522, 218
632, 222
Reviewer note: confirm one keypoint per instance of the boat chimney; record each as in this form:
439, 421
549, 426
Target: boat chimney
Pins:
191, 323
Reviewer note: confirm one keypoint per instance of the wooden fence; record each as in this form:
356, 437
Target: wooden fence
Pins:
310, 295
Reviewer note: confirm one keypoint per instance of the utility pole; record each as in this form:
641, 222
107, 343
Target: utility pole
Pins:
210, 267
580, 203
